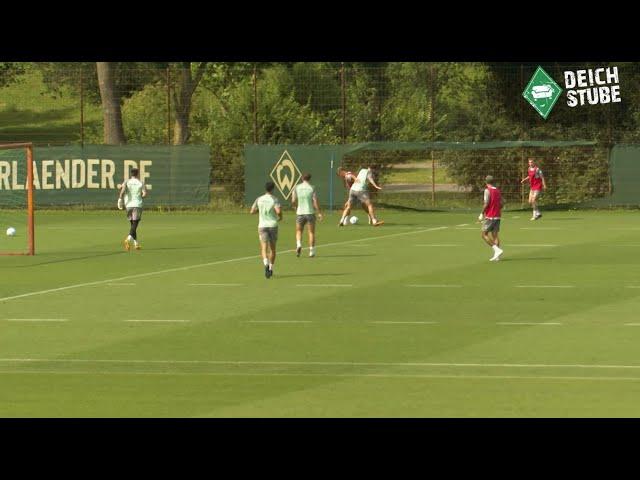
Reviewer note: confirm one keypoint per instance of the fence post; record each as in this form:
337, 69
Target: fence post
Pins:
81, 108
344, 103
255, 104
331, 183
168, 75
522, 137
433, 133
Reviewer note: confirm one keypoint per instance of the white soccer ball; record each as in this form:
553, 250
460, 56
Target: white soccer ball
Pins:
11, 231
353, 220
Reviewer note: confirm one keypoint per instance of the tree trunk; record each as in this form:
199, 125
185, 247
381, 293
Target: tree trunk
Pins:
113, 130
182, 96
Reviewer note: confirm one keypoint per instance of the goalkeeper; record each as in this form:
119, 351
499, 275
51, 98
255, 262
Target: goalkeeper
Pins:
133, 191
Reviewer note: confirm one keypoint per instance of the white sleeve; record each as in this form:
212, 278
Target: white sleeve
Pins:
370, 176
486, 196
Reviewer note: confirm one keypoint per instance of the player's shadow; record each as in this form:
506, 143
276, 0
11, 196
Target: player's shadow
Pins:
350, 255
64, 260
314, 275
525, 259
174, 248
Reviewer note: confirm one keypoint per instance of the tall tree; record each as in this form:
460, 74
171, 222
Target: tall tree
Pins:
186, 84
10, 72
113, 130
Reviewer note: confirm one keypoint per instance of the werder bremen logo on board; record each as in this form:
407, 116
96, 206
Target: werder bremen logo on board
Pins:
285, 174
542, 92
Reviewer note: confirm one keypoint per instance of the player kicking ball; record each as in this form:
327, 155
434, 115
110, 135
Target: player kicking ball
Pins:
131, 194
490, 217
349, 179
359, 192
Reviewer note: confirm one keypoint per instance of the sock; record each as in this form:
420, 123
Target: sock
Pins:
298, 244
129, 238
135, 242
312, 250
343, 219
265, 261
495, 248
271, 266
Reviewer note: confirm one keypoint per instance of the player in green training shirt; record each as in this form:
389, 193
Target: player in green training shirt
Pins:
359, 192
133, 190
270, 212
304, 194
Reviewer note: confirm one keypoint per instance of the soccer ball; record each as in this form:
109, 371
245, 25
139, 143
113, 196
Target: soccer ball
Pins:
11, 231
353, 220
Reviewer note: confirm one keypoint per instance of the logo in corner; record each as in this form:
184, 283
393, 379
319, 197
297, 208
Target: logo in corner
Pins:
285, 174
542, 92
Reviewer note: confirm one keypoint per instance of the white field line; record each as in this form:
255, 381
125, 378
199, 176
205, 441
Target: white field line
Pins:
541, 228
337, 364
216, 284
324, 285
621, 245
632, 286
632, 324
157, 321
200, 265
528, 323
405, 323
462, 225
545, 286
468, 228
334, 375
37, 319
434, 286
120, 284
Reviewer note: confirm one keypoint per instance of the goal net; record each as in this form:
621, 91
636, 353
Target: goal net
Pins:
16, 199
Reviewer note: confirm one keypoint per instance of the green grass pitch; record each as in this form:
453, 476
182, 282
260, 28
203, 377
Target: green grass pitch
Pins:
406, 320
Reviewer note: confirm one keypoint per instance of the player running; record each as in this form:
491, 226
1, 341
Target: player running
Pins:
491, 215
304, 195
268, 206
133, 191
537, 184
359, 192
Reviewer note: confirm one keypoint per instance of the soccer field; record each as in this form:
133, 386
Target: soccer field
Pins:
406, 320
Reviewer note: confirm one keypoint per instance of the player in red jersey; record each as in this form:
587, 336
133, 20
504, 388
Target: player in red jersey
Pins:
490, 217
349, 178
537, 184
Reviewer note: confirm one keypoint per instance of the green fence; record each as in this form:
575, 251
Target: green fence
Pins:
90, 175
576, 171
